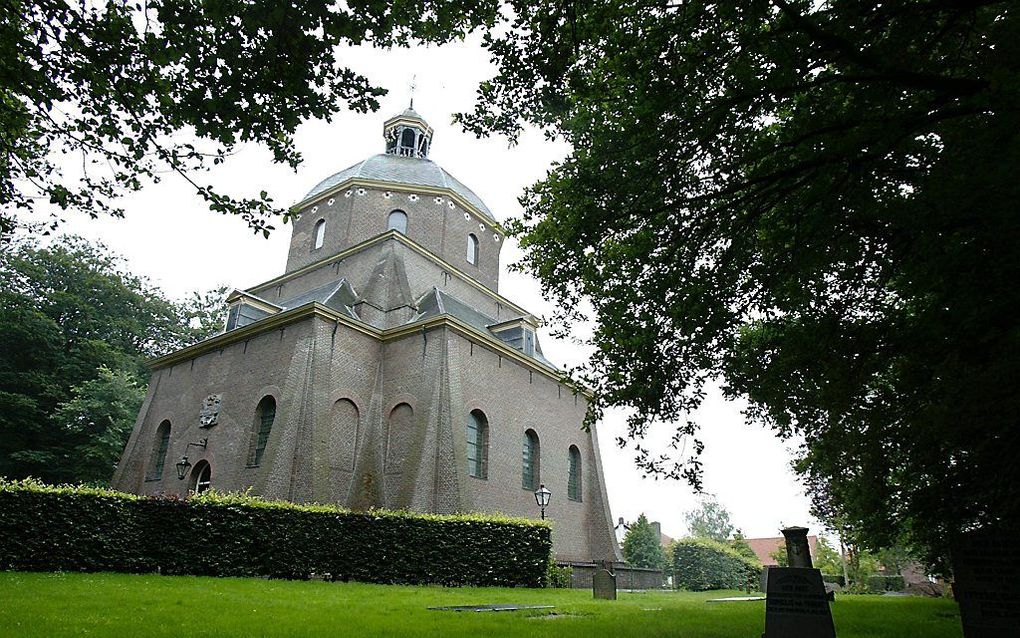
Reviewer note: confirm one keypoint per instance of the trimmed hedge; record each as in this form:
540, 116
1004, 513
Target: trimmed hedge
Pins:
701, 564
46, 528
879, 584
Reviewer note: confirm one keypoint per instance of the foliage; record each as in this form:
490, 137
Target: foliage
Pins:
75, 329
861, 565
203, 314
100, 414
117, 605
44, 528
780, 556
709, 520
827, 558
559, 577
878, 583
813, 202
739, 544
130, 91
894, 559
701, 563
642, 545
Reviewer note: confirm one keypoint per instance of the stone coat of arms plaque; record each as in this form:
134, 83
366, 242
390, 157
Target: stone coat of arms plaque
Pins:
210, 414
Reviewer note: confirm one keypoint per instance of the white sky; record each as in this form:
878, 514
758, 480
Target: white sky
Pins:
170, 236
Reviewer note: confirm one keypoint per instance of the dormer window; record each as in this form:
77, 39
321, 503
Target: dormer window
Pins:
517, 333
245, 308
242, 314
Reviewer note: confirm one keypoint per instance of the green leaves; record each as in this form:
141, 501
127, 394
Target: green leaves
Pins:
642, 546
75, 330
813, 205
120, 88
702, 564
70, 528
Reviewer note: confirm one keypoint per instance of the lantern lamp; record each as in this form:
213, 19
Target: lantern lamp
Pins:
542, 497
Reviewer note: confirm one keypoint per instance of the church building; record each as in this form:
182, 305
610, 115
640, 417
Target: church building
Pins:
381, 369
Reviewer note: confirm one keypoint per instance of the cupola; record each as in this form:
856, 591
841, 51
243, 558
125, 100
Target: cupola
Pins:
407, 134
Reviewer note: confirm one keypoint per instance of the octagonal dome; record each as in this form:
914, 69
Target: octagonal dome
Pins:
406, 171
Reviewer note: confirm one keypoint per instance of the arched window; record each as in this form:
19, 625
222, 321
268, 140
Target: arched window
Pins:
201, 477
265, 414
407, 138
574, 476
530, 461
398, 222
478, 445
472, 249
159, 446
320, 234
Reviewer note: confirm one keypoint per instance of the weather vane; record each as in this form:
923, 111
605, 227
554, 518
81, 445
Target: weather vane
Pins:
413, 77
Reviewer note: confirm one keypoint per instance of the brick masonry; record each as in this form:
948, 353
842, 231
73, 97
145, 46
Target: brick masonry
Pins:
378, 419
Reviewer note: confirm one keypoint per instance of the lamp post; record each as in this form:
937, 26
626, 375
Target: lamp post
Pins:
184, 463
542, 497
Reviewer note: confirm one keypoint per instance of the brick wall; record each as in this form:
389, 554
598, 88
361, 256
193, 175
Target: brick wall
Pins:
359, 213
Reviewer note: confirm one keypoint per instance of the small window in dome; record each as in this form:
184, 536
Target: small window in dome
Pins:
398, 222
472, 249
320, 234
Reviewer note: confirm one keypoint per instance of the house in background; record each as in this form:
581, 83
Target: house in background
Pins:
763, 548
622, 527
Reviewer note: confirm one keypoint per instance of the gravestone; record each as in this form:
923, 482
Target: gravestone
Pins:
603, 583
986, 569
798, 551
796, 605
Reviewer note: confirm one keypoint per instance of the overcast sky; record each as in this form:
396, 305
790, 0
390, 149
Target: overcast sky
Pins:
171, 237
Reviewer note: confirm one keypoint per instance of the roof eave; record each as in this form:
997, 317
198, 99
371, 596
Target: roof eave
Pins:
355, 180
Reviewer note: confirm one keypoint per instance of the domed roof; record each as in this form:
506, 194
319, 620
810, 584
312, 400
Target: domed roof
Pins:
410, 171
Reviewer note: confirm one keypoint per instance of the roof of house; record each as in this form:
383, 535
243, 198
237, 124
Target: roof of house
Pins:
762, 547
665, 540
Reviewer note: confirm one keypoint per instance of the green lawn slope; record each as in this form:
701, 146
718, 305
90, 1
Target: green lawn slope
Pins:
49, 605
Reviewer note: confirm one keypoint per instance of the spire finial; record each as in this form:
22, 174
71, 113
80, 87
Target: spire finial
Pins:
413, 78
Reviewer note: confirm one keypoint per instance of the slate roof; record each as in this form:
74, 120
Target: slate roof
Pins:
338, 295
341, 296
410, 171
409, 112
436, 302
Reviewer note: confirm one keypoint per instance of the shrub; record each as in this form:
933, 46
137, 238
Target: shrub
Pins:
700, 564
879, 584
46, 528
561, 577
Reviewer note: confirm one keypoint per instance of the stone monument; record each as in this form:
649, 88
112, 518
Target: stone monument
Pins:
986, 569
795, 599
603, 583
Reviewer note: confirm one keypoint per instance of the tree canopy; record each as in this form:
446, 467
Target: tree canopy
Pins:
75, 329
642, 545
101, 97
813, 204
709, 520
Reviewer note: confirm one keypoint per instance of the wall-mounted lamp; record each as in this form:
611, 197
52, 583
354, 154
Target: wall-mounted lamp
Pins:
184, 463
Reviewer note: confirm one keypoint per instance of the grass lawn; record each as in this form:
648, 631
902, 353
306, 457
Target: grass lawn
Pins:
127, 605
